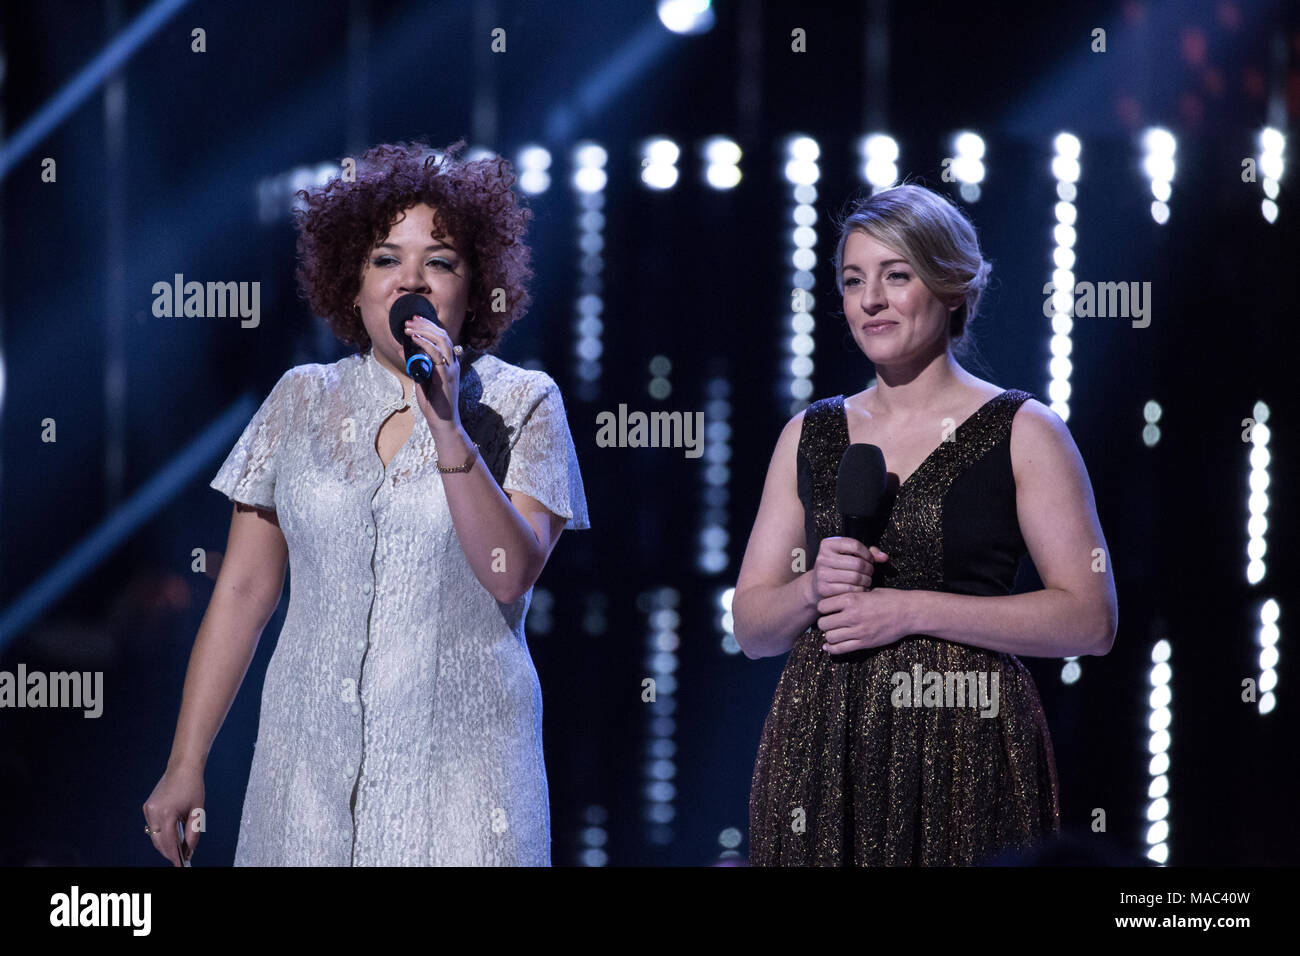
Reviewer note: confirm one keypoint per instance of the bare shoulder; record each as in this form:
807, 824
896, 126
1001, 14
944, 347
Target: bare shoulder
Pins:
981, 391
787, 444
1039, 437
793, 427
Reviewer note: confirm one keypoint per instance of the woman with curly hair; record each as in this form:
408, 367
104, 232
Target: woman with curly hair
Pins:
401, 714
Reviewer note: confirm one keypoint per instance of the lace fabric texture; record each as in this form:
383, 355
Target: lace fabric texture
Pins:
843, 777
400, 719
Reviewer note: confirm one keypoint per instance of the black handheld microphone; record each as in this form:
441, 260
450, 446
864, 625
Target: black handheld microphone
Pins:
858, 492
418, 363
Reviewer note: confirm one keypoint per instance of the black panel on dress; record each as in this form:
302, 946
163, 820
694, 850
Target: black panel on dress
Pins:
844, 777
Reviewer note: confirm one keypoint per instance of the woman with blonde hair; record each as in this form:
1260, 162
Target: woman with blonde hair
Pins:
867, 756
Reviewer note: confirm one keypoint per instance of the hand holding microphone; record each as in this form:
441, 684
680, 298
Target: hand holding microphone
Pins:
845, 563
419, 365
432, 360
852, 617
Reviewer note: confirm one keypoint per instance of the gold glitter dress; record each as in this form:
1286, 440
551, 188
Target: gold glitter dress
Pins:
843, 775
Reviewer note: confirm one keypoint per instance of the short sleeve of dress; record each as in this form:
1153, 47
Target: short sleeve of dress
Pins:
248, 474
543, 461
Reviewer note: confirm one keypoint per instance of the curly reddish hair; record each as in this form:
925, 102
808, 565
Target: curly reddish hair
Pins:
341, 222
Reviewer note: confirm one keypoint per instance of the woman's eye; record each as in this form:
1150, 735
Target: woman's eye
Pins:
852, 281
902, 275
440, 263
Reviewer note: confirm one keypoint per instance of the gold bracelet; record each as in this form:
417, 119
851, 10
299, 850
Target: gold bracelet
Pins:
473, 456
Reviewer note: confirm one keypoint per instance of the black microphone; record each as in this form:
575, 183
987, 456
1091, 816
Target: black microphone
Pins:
418, 363
859, 491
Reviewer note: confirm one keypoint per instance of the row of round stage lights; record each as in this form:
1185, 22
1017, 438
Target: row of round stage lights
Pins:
593, 836
1159, 146
720, 155
1159, 720
1272, 145
967, 164
878, 153
715, 476
802, 173
1256, 528
660, 768
720, 166
589, 181
1066, 169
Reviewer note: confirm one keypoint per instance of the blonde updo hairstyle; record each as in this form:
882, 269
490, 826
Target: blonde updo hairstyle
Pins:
935, 238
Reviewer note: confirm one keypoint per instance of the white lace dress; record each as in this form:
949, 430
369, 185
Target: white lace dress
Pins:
401, 717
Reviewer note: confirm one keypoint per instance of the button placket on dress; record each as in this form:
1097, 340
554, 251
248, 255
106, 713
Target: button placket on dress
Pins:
388, 393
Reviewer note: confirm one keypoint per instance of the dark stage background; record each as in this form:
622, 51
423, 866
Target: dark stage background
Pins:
175, 161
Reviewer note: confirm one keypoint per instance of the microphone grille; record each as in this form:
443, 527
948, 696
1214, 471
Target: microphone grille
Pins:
861, 481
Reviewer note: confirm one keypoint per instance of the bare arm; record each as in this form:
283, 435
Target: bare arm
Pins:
247, 591
1076, 612
487, 519
774, 604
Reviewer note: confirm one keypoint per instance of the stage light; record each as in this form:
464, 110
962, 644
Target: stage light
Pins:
589, 183
1267, 637
1272, 145
686, 16
727, 622
966, 165
593, 837
1151, 413
1257, 502
802, 172
1067, 145
277, 195
658, 769
878, 153
804, 148
539, 611
659, 387
715, 477
659, 163
1257, 480
1066, 169
589, 160
1158, 164
534, 163
1159, 720
722, 163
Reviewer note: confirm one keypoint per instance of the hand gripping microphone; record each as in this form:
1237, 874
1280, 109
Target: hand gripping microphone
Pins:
859, 491
418, 363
